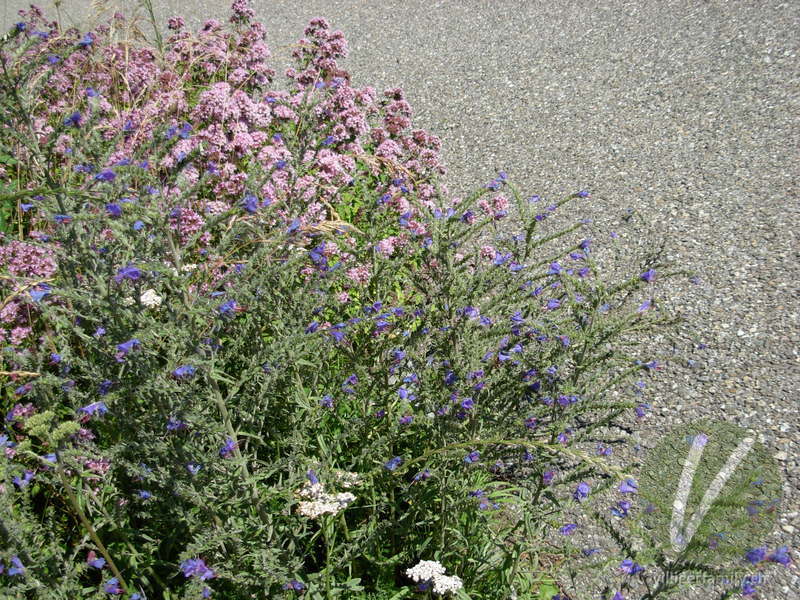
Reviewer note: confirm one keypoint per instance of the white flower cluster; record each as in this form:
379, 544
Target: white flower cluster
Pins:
320, 502
150, 299
433, 572
347, 479
444, 583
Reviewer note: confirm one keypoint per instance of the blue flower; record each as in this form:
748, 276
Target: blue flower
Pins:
568, 529
107, 175
97, 563
138, 225
86, 41
227, 309
553, 304
326, 401
294, 585
145, 495
193, 467
114, 210
393, 463
23, 482
581, 492
621, 510
94, 409
781, 555
422, 475
472, 457
583, 194
125, 347
630, 567
228, 448
648, 275
128, 272
629, 486
250, 204
74, 119
196, 567
756, 555
184, 372
112, 587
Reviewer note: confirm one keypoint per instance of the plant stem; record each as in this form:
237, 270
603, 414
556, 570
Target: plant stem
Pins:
73, 500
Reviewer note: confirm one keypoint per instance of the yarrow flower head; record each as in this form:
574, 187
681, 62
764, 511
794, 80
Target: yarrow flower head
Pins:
150, 298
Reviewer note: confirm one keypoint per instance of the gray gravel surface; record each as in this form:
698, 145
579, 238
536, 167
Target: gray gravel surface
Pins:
686, 112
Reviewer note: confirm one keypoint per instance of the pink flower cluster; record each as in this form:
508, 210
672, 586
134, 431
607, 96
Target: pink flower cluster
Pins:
227, 134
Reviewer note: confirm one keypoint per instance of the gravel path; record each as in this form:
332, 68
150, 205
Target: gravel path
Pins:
686, 112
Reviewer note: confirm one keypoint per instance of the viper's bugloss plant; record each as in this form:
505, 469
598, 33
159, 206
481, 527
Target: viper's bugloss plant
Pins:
252, 348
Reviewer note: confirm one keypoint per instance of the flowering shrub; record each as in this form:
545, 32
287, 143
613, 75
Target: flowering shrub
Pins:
253, 349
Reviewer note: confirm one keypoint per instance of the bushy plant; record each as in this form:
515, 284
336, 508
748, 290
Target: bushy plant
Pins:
253, 348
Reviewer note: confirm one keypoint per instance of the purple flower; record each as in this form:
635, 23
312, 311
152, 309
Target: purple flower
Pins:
86, 41
393, 463
422, 475
472, 457
648, 275
128, 272
125, 347
174, 424
250, 204
74, 119
23, 482
630, 567
629, 486
227, 309
137, 225
95, 409
547, 477
196, 567
553, 304
406, 419
749, 585
621, 510
581, 492
107, 175
781, 555
326, 401
114, 210
97, 563
184, 372
590, 551
228, 448
145, 495
756, 555
104, 387
568, 529
112, 587
193, 468
618, 596
554, 269
294, 585
583, 194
